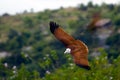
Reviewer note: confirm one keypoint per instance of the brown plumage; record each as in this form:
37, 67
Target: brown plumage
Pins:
98, 22
79, 50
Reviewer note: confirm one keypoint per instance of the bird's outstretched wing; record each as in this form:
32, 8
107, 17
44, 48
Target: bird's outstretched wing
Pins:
60, 34
98, 22
79, 50
103, 23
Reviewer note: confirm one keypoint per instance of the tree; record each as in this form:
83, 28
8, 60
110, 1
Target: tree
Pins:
82, 7
90, 4
28, 22
5, 15
117, 20
113, 42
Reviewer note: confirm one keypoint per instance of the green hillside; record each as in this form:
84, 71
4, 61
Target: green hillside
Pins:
29, 51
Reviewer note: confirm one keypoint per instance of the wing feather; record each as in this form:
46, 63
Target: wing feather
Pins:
60, 34
79, 50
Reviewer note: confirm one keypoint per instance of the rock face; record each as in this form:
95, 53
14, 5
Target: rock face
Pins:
4, 54
103, 34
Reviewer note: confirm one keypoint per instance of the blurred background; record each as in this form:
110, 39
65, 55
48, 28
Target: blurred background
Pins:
29, 51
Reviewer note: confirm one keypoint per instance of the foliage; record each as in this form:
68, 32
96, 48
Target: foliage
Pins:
113, 41
101, 68
28, 22
36, 55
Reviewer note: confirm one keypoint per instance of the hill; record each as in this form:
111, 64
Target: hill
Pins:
37, 55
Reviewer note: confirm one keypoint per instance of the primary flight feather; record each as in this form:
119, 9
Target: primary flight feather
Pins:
79, 50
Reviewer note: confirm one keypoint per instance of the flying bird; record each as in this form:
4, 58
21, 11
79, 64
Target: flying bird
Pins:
76, 48
98, 22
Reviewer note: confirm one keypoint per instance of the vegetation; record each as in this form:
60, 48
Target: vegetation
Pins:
34, 54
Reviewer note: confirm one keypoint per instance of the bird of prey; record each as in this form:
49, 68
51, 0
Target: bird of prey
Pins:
98, 22
78, 49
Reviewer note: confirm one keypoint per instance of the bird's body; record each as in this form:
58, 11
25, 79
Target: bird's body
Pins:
79, 50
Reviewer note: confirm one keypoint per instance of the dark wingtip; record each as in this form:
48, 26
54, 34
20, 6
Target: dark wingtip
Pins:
53, 26
85, 67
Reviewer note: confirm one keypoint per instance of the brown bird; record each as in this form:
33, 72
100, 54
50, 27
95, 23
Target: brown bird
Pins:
79, 50
98, 22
